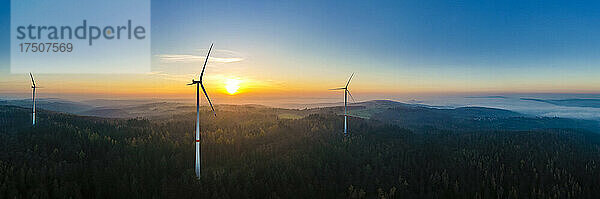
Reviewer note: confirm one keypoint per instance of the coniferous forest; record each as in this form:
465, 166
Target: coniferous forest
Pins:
250, 152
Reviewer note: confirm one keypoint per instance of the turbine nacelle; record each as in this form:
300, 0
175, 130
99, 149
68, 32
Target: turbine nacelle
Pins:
346, 88
194, 82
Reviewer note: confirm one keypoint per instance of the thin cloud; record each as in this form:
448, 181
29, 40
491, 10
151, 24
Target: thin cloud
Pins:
186, 58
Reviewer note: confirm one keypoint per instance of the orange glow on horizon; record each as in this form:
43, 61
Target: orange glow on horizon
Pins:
236, 88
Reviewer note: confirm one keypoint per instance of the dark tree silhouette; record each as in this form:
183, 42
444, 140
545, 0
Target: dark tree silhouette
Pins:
251, 153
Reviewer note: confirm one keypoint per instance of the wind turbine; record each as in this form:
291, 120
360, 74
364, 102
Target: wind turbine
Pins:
33, 96
346, 93
198, 138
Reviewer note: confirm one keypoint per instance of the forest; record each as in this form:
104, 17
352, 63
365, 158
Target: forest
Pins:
251, 152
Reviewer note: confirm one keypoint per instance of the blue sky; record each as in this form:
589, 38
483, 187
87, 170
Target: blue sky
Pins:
479, 33
4, 36
393, 46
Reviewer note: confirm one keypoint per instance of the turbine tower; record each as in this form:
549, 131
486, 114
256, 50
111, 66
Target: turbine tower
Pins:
346, 93
33, 96
198, 86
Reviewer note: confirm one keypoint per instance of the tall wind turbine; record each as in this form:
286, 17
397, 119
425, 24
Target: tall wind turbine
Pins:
346, 93
198, 138
33, 96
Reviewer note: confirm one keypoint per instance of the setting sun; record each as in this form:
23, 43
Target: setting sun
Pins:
232, 86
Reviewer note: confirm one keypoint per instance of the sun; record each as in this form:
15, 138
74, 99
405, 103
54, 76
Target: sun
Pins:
232, 86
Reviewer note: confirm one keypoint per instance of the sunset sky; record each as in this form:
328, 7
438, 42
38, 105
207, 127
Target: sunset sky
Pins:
287, 49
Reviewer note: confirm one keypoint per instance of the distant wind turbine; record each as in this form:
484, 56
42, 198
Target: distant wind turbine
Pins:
346, 93
198, 138
33, 96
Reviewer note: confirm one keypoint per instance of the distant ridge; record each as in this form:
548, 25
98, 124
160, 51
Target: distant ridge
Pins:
52, 104
488, 97
591, 103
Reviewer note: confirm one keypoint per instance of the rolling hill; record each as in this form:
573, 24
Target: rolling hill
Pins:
252, 152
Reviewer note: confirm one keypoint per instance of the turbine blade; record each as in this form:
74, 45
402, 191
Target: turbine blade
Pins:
205, 61
351, 96
209, 102
349, 80
32, 81
337, 89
